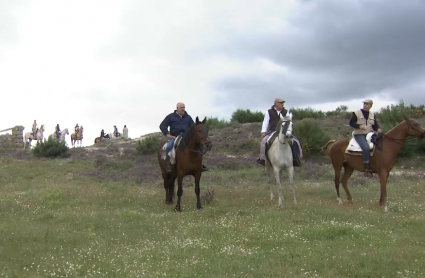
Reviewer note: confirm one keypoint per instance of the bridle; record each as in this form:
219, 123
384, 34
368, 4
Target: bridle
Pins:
284, 129
401, 141
197, 151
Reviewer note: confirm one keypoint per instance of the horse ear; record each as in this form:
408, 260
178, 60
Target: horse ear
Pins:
197, 120
204, 120
406, 118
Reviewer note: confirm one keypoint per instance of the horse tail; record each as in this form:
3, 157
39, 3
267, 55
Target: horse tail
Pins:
325, 148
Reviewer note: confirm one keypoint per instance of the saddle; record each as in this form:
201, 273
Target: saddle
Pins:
172, 152
297, 150
354, 148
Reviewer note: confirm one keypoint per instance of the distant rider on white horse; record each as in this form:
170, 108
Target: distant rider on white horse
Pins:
116, 133
34, 129
57, 131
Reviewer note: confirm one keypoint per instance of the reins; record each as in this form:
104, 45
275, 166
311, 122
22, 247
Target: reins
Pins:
401, 141
196, 151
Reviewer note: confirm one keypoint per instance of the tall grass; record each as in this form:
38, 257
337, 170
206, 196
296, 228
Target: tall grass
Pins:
59, 221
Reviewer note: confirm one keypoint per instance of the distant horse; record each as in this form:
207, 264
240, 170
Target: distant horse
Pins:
381, 162
38, 136
279, 157
61, 135
188, 162
114, 136
77, 137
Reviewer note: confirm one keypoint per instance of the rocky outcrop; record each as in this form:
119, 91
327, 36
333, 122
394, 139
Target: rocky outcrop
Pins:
15, 140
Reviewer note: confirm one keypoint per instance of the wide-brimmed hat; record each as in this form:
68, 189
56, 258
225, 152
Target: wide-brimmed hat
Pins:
368, 101
279, 100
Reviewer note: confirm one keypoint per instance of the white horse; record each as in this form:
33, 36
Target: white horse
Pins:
112, 136
38, 136
61, 135
279, 157
77, 137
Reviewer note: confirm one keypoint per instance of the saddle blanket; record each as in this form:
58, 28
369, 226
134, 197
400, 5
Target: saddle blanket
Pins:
355, 149
171, 153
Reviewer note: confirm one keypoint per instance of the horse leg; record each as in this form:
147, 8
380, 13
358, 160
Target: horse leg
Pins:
198, 191
276, 172
179, 193
291, 182
167, 189
270, 170
171, 185
348, 171
383, 178
337, 177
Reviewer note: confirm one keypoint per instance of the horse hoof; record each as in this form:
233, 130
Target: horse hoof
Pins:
199, 207
177, 209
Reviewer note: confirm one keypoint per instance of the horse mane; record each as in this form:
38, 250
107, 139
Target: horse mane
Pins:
279, 125
282, 119
186, 137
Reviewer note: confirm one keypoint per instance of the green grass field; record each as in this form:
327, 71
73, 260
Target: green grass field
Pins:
58, 221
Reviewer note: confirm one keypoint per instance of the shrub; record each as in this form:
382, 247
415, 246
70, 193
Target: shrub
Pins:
304, 113
393, 115
246, 116
51, 148
216, 123
148, 145
311, 135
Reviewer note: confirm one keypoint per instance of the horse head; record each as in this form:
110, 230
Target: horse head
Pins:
65, 131
285, 128
414, 129
201, 132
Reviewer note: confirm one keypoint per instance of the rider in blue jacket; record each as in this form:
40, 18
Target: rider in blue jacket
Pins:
178, 122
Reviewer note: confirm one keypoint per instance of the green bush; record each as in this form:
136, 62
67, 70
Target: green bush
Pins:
213, 123
149, 145
311, 135
392, 115
304, 113
51, 148
246, 116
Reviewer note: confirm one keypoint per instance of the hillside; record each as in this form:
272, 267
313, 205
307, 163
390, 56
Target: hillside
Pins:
101, 213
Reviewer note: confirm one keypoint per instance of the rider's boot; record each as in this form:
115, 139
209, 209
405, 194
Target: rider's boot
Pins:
367, 170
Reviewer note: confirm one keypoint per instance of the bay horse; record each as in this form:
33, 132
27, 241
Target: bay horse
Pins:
188, 161
38, 136
77, 137
61, 136
279, 157
381, 162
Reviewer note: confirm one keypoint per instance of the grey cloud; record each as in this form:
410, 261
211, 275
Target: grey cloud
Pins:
336, 50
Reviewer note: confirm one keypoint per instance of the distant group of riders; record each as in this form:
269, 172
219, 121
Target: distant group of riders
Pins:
115, 133
57, 133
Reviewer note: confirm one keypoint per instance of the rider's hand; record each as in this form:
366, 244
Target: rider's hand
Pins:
379, 130
362, 127
171, 136
262, 135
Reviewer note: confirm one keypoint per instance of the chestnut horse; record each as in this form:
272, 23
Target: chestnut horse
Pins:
381, 162
188, 161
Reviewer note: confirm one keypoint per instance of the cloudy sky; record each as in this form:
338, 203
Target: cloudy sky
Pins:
105, 63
